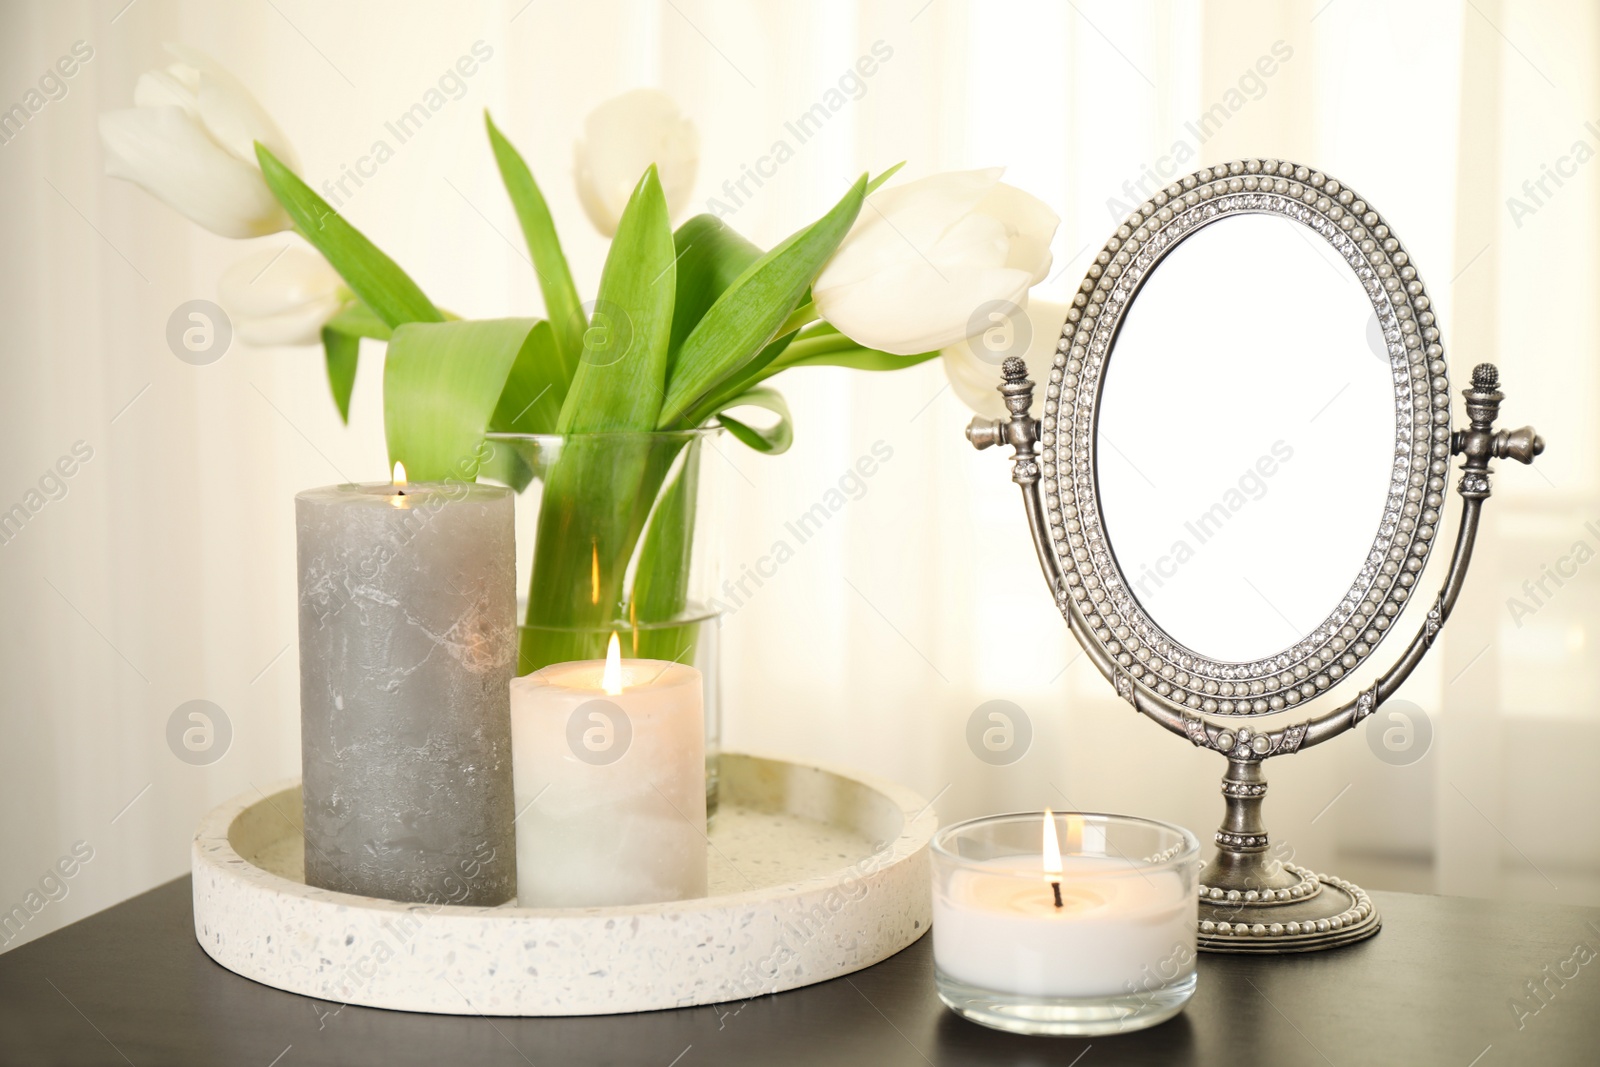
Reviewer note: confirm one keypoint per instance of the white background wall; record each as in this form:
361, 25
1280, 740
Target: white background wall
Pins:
166, 574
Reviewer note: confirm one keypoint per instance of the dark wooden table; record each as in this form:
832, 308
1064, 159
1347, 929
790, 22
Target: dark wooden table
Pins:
1439, 985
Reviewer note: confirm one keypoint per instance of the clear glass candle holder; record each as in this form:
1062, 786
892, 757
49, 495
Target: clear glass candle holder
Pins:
1065, 923
619, 533
696, 640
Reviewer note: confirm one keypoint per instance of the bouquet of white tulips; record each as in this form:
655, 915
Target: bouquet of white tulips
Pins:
686, 326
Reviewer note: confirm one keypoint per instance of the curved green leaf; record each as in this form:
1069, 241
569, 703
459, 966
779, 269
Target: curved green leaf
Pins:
858, 358
341, 343
373, 276
762, 367
357, 320
549, 263
800, 317
535, 388
773, 440
711, 254
441, 382
619, 382
661, 578
342, 350
877, 183
747, 315
816, 339
822, 345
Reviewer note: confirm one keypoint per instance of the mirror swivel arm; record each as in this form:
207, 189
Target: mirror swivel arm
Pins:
1521, 445
1021, 433
1482, 442
1479, 443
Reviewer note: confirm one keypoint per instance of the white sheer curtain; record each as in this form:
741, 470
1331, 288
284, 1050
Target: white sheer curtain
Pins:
164, 573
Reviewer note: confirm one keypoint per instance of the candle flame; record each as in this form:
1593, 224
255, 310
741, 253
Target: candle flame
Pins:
1052, 848
611, 680
399, 478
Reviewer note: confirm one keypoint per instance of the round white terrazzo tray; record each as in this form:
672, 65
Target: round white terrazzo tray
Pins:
814, 873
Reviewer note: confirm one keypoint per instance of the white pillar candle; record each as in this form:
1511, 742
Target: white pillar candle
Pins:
1121, 927
608, 760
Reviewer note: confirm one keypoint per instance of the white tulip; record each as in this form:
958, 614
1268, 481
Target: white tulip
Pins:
276, 297
621, 138
189, 142
926, 261
973, 365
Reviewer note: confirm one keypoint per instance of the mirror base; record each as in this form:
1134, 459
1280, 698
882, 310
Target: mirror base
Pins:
1338, 913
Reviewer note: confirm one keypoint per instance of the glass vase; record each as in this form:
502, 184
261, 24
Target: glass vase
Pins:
618, 533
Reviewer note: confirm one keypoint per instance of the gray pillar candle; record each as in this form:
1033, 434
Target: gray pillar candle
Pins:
408, 642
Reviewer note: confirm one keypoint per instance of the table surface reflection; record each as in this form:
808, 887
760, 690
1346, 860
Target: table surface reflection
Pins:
1439, 985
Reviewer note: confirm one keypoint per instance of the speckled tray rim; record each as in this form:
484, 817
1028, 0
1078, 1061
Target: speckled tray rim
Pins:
899, 871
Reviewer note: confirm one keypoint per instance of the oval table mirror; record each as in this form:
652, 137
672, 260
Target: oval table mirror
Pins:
1236, 484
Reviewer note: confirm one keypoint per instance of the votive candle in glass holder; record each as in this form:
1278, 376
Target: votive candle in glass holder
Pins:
1066, 923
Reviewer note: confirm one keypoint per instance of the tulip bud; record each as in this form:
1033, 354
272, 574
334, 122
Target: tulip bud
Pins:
621, 138
973, 364
189, 141
277, 297
925, 259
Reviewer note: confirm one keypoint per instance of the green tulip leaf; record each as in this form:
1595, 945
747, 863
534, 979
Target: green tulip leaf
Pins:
342, 350
800, 317
619, 382
748, 314
858, 358
374, 277
341, 341
772, 440
661, 579
535, 388
822, 345
357, 320
877, 183
549, 263
711, 255
441, 384
817, 339
765, 365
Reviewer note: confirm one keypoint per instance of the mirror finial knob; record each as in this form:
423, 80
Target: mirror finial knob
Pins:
1014, 369
1485, 377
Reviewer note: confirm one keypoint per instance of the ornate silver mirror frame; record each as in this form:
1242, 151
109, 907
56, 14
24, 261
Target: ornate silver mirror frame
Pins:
1249, 902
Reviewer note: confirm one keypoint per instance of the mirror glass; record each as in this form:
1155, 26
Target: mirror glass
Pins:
1245, 436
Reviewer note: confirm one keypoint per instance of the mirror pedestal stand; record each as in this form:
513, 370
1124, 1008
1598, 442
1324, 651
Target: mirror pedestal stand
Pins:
1285, 908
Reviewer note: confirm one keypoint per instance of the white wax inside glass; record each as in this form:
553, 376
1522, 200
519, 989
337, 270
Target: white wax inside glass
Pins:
596, 830
1122, 929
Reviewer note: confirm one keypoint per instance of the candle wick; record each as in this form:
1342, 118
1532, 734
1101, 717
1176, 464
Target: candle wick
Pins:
1055, 887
